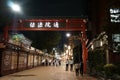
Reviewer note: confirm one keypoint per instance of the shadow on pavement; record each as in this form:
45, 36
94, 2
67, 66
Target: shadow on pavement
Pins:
22, 75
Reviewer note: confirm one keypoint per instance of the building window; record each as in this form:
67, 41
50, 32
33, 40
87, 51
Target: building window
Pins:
115, 15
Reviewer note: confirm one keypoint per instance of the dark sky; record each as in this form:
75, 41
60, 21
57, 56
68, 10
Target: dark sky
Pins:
56, 7
51, 7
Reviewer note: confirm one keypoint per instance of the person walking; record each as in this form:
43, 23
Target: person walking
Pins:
71, 64
43, 62
46, 62
67, 64
81, 68
77, 67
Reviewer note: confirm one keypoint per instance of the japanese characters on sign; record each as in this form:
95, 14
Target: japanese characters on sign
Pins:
44, 25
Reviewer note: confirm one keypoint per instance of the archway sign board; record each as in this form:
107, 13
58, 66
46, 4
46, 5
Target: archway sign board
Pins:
52, 24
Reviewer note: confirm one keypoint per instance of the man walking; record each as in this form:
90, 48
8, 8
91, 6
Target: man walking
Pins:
81, 68
67, 64
71, 64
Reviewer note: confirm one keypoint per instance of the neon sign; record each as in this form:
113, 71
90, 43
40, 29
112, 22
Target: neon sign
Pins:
44, 25
116, 43
115, 15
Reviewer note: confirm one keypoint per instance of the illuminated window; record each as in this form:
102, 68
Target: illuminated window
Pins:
115, 15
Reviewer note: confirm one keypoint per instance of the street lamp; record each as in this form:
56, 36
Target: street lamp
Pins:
14, 6
68, 34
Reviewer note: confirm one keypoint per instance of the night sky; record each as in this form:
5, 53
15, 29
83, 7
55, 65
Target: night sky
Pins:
48, 7
55, 7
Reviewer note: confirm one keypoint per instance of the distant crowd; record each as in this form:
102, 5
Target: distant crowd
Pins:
51, 62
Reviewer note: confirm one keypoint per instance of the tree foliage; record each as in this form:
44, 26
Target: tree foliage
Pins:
44, 39
96, 59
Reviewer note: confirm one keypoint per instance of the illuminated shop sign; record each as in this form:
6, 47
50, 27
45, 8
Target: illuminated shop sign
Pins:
116, 43
116, 37
44, 25
115, 15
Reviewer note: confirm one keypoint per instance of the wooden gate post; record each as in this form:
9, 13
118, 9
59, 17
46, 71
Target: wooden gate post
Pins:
6, 35
84, 48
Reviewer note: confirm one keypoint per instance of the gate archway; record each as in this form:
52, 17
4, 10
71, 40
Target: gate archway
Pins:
53, 24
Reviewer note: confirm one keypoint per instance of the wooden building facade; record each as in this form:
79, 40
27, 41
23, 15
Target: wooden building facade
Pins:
15, 58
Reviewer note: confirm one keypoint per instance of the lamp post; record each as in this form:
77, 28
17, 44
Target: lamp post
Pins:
16, 9
69, 51
69, 47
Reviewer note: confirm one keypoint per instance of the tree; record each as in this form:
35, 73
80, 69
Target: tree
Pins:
44, 39
96, 59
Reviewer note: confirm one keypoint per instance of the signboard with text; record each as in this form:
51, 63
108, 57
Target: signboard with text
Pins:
44, 24
116, 43
115, 15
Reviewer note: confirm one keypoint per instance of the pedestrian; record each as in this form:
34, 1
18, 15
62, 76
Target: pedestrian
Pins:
59, 62
43, 62
81, 68
50, 62
56, 62
67, 64
46, 62
77, 67
71, 64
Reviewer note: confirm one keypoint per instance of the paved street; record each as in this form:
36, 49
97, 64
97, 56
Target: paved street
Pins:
46, 73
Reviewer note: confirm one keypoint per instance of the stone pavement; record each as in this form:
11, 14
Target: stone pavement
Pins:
46, 73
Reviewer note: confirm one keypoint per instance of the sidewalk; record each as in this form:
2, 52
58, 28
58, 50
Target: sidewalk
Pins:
46, 73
